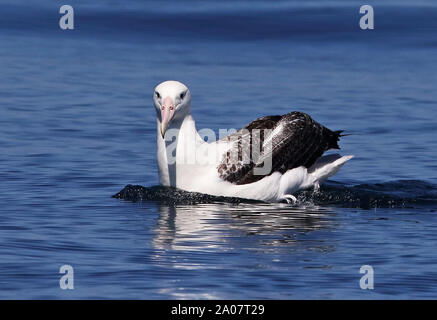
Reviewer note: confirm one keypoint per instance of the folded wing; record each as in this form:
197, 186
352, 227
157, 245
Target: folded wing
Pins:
288, 141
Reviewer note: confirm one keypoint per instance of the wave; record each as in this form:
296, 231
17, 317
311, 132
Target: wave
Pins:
394, 194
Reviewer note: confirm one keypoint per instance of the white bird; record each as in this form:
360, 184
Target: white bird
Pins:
269, 159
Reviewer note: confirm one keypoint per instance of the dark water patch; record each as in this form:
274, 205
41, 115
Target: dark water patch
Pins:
172, 196
395, 194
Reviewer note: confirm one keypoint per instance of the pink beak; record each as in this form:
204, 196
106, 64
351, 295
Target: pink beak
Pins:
167, 112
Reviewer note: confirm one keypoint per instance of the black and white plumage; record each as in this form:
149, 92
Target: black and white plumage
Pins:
297, 140
287, 150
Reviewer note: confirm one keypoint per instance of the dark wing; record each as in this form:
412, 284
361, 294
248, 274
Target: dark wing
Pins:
290, 141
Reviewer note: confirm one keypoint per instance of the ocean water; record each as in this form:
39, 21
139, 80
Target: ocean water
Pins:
77, 125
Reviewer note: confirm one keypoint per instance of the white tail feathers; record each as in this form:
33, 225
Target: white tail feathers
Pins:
326, 167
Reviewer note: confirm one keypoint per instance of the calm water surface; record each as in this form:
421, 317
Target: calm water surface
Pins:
77, 125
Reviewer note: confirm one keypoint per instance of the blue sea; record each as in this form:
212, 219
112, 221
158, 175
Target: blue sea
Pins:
77, 125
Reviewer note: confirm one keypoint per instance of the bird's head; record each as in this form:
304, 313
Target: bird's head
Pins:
172, 101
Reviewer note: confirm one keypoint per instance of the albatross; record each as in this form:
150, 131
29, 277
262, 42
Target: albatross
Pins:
270, 159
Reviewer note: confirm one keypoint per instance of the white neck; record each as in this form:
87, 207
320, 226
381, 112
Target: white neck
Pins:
180, 143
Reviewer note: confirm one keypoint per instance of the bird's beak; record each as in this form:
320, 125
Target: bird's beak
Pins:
167, 112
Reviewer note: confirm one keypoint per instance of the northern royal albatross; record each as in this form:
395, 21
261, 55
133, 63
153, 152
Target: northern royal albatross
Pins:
269, 159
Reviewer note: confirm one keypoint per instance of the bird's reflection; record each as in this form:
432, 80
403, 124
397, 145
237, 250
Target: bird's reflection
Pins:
212, 226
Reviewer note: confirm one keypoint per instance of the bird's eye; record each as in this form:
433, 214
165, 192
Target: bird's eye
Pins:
157, 94
182, 95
